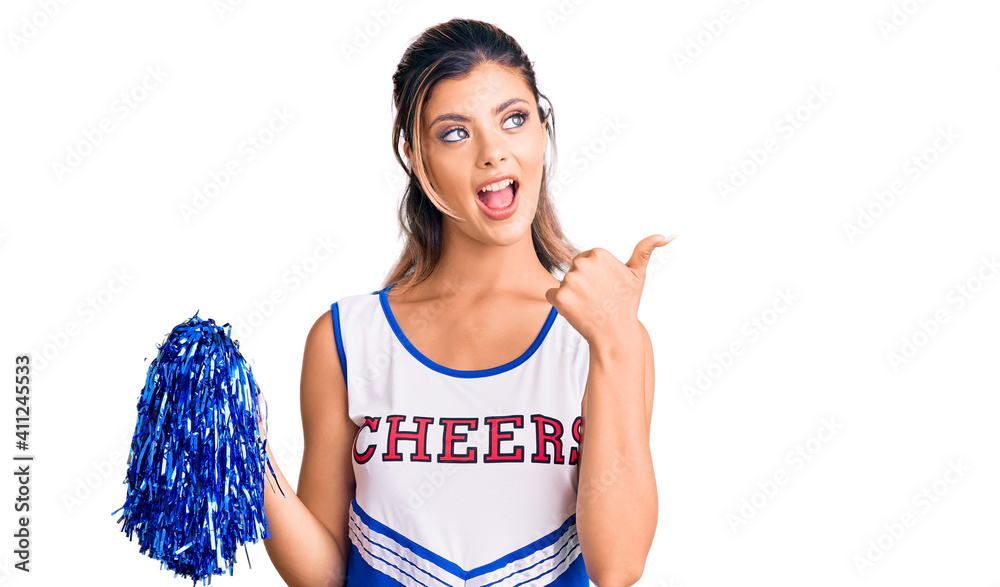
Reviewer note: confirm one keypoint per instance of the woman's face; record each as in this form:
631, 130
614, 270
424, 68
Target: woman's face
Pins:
474, 129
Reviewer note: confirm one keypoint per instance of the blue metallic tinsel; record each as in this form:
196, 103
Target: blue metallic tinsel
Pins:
196, 464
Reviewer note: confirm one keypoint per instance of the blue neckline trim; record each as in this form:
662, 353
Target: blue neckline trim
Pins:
467, 374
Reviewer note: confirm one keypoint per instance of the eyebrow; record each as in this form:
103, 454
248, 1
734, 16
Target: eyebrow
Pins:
459, 118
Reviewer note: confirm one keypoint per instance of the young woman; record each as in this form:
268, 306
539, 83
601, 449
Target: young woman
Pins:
444, 414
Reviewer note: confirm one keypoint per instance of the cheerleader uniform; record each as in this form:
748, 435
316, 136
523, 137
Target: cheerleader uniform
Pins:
464, 477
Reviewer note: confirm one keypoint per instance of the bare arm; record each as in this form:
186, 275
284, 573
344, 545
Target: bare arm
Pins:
616, 508
309, 542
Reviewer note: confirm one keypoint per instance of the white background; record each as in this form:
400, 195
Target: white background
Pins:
111, 228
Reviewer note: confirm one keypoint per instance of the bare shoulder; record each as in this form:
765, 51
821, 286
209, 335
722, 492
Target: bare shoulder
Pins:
323, 389
319, 342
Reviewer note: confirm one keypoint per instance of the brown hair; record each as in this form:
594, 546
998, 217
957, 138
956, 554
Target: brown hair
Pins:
447, 51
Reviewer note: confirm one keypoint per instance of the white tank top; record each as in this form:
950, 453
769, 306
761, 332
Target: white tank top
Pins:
463, 477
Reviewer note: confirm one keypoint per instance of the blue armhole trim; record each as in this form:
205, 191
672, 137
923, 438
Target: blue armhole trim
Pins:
335, 312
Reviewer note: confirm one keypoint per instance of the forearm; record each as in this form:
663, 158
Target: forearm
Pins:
301, 548
617, 502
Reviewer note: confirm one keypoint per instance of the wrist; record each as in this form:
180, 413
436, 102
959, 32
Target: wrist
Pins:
617, 338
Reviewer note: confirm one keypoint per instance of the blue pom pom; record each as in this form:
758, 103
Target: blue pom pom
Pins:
193, 483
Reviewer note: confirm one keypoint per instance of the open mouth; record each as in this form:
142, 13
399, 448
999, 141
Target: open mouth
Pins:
499, 195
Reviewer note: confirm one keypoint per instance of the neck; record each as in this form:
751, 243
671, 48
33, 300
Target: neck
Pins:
473, 270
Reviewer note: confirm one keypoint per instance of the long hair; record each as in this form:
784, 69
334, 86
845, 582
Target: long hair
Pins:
447, 51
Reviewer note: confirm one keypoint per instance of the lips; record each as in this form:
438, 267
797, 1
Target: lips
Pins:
498, 199
500, 204
495, 179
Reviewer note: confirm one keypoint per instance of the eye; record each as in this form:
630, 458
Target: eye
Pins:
520, 115
452, 130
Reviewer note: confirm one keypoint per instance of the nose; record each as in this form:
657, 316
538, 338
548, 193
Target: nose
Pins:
492, 151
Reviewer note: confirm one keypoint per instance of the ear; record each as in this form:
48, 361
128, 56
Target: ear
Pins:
406, 150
